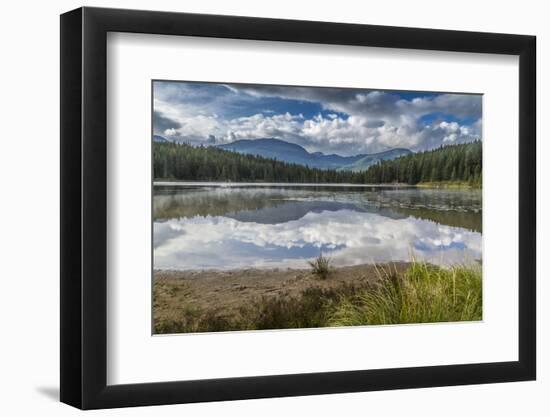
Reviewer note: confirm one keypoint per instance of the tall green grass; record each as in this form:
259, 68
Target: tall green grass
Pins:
424, 294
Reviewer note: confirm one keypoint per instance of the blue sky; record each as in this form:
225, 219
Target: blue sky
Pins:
329, 120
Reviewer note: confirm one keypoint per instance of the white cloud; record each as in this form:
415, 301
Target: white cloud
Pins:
362, 122
353, 135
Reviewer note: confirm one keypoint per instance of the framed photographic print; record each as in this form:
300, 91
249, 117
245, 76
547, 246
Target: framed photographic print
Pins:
257, 208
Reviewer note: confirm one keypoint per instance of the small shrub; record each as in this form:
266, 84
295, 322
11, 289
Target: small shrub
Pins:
310, 309
321, 266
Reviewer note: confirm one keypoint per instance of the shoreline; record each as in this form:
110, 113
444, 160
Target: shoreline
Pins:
272, 184
229, 184
448, 185
179, 295
367, 294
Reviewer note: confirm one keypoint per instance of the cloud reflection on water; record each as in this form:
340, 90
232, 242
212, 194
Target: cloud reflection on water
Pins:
348, 236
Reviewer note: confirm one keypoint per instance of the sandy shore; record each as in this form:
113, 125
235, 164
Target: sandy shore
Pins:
226, 293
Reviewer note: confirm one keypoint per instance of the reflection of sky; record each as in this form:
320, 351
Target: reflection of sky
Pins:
349, 237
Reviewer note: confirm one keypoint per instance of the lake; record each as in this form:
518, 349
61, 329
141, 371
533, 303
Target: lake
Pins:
216, 226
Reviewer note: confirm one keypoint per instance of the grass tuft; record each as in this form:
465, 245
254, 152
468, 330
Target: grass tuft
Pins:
321, 266
424, 294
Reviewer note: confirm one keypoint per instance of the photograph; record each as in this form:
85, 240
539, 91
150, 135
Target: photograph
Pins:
292, 207
260, 206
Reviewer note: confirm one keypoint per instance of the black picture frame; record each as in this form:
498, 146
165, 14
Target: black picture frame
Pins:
84, 207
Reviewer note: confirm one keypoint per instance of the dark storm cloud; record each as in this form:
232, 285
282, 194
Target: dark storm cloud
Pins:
162, 123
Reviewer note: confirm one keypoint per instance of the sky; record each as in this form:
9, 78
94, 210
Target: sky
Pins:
329, 120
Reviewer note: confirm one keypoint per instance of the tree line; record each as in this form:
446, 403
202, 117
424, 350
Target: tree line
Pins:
453, 163
201, 163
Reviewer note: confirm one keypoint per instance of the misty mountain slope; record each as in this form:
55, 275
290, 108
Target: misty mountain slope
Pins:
292, 153
363, 163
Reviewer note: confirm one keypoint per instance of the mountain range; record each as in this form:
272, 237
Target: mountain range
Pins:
292, 153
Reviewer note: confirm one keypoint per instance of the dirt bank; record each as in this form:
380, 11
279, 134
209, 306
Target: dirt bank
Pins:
182, 297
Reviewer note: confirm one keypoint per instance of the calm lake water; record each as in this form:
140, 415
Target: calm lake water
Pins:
211, 226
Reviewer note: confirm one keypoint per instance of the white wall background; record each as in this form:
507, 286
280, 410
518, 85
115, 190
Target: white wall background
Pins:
29, 210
